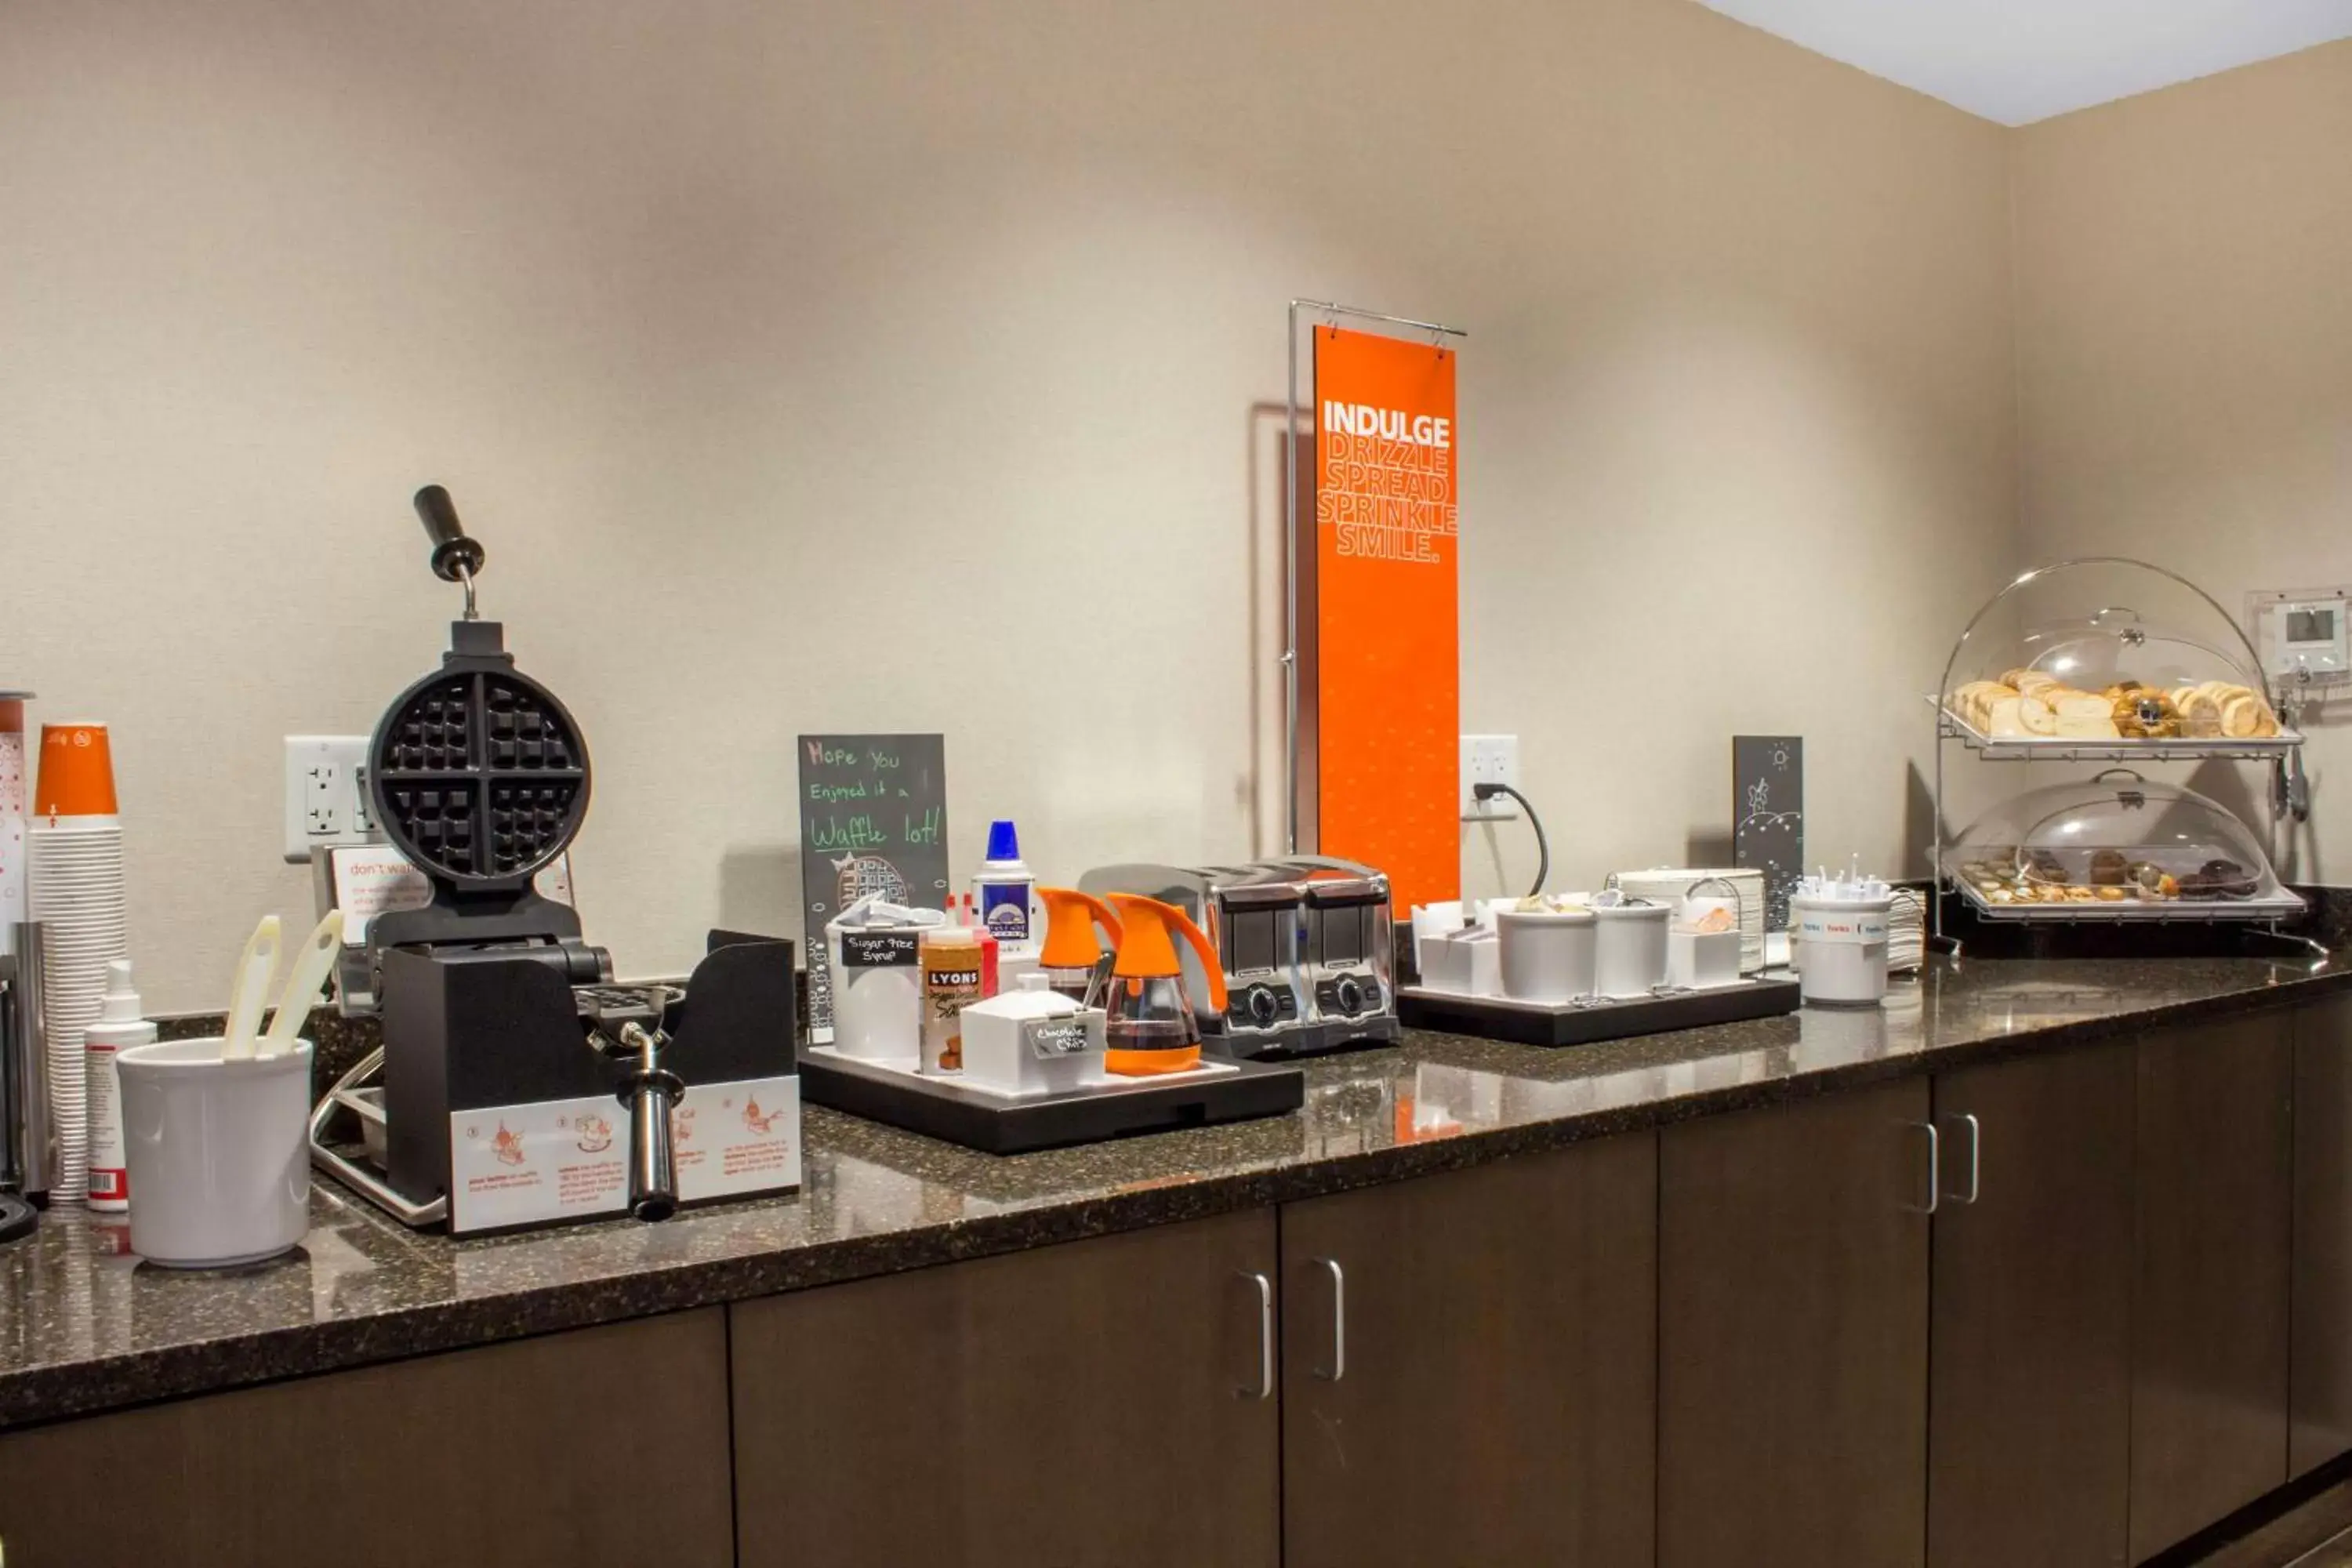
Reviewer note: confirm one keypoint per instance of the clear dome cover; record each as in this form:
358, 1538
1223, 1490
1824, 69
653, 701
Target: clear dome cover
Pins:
2108, 652
2116, 846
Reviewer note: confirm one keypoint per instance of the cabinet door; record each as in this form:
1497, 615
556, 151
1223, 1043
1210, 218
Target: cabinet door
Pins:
2210, 1301
1792, 1334
2029, 1408
1095, 1402
1469, 1366
2320, 1396
602, 1447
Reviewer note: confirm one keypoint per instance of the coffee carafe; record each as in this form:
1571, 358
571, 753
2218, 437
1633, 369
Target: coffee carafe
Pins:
1149, 1023
1071, 959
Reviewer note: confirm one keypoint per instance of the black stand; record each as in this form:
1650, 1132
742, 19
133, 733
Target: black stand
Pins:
1539, 1024
943, 1109
18, 1217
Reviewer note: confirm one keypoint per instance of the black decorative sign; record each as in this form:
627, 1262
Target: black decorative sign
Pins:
1767, 814
873, 819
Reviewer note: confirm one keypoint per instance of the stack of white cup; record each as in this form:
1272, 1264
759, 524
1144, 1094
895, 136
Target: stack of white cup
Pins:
75, 841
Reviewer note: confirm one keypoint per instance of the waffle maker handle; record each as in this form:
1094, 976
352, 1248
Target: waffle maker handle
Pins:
456, 558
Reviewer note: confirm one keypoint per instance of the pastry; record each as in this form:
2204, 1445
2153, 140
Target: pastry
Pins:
2143, 713
2112, 895
2242, 715
2200, 711
2110, 869
2081, 895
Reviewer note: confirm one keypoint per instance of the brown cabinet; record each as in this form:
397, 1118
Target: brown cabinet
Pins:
2210, 1303
1793, 1334
603, 1446
2030, 1404
2320, 1384
1102, 1400
1469, 1366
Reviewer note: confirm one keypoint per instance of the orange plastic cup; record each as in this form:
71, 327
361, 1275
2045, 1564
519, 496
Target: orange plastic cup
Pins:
77, 776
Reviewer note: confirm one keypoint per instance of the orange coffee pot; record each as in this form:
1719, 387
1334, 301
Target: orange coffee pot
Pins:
1148, 1026
1072, 958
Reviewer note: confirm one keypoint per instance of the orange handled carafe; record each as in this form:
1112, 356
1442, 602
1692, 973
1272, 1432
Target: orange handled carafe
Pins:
1072, 958
1148, 1026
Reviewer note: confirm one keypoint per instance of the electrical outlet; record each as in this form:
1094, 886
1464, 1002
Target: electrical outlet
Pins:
326, 793
1489, 759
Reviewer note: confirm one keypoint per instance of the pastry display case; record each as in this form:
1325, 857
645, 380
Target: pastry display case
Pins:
2111, 660
2115, 848
2106, 659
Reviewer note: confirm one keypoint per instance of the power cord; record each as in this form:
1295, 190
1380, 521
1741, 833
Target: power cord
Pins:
1543, 850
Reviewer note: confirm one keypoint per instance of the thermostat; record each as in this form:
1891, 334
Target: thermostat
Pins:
2302, 635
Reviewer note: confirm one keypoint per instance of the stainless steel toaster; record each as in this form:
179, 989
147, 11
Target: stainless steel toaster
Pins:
1306, 943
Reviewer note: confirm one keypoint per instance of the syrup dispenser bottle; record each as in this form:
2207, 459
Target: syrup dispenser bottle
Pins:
1148, 1026
1072, 959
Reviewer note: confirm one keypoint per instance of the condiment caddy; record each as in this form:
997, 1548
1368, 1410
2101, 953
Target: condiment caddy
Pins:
1582, 968
1074, 1052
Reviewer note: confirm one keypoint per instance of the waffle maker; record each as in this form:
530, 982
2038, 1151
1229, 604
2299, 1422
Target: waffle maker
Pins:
519, 1085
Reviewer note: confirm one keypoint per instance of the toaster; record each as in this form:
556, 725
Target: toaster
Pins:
1305, 943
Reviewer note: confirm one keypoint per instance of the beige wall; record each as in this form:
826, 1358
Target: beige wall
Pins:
785, 355
2184, 313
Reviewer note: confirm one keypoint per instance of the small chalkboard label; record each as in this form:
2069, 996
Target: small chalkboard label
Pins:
1768, 815
873, 819
1050, 1038
881, 949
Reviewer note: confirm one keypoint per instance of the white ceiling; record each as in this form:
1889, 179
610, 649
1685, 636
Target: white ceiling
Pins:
2020, 60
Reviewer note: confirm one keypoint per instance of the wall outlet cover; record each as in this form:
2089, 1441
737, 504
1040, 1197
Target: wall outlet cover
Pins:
1489, 759
326, 795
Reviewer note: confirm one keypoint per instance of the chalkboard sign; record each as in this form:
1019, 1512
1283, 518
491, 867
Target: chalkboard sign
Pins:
1767, 814
873, 819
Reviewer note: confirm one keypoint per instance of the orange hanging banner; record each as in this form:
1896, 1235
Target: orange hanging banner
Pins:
1383, 675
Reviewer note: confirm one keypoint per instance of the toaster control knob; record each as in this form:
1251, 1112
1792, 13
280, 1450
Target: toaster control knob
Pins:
1262, 1005
1350, 995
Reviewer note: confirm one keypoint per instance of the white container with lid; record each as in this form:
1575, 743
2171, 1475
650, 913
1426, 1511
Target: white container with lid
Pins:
1837, 939
1033, 1040
1630, 951
1547, 954
876, 950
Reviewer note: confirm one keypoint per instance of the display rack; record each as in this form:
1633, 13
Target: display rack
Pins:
2088, 645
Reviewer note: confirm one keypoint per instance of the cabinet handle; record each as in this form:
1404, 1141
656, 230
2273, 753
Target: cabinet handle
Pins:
1338, 1322
1976, 1159
1265, 1389
1935, 1168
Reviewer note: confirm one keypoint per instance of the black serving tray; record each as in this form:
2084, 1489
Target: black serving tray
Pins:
941, 1107
1546, 1024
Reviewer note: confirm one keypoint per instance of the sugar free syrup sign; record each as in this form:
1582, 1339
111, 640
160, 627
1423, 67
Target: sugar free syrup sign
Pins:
873, 819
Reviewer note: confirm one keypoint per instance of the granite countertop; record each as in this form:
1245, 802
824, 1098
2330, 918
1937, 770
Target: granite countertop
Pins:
86, 1327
